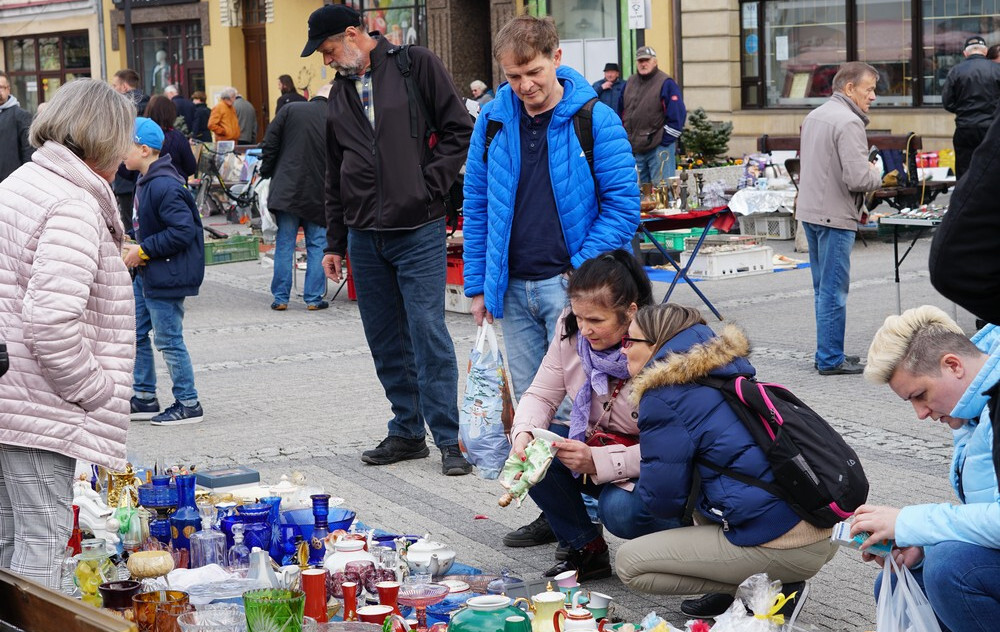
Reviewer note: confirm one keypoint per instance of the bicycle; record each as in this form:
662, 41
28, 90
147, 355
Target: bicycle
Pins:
238, 202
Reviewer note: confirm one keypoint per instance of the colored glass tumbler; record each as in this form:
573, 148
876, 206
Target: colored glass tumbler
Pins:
274, 610
147, 603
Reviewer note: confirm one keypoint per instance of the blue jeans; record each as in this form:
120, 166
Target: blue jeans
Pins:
284, 258
622, 512
830, 263
657, 164
531, 312
165, 318
960, 581
399, 277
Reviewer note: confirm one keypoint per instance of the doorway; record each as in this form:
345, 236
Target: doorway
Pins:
255, 53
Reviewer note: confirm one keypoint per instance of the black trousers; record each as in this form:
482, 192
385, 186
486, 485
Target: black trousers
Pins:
965, 141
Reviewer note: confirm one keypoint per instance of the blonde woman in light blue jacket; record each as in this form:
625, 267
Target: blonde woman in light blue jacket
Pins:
952, 550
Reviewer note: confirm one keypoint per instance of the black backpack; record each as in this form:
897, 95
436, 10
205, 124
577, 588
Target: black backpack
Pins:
815, 471
583, 125
452, 198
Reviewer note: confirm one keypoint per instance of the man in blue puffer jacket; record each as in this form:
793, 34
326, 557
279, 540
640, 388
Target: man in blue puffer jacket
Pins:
953, 551
532, 209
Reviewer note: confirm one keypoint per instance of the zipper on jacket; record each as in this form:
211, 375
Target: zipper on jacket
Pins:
718, 512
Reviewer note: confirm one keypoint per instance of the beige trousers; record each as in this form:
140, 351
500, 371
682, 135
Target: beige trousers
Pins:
696, 560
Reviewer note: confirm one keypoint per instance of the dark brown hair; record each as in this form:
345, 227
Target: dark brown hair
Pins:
287, 85
129, 76
162, 111
525, 37
614, 280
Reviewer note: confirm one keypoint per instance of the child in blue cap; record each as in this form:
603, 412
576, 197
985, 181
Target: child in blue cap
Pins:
169, 261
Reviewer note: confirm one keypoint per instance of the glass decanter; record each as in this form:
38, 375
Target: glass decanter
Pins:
238, 558
208, 546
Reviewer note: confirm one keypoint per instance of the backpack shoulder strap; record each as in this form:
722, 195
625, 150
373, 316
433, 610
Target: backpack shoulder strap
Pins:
493, 127
415, 98
583, 125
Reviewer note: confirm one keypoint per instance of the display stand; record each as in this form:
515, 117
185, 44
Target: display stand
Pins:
720, 218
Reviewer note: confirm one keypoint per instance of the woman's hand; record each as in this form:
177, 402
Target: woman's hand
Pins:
521, 442
907, 556
880, 522
576, 455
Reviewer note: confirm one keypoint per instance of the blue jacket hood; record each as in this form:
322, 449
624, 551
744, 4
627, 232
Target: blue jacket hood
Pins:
576, 91
974, 399
162, 168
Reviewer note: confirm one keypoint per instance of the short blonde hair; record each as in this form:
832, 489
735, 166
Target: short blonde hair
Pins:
89, 118
915, 341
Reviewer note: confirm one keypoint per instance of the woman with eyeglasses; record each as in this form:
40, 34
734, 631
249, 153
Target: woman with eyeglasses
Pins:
600, 453
740, 530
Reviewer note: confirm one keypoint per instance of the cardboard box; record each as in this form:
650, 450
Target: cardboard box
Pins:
229, 477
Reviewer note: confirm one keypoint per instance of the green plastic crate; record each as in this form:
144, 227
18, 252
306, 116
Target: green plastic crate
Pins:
674, 239
236, 248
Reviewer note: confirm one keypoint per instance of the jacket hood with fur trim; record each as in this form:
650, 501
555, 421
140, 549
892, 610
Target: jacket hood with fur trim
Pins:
694, 353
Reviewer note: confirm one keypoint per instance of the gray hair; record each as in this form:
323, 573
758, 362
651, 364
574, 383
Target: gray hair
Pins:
171, 90
478, 85
228, 93
852, 72
89, 118
915, 341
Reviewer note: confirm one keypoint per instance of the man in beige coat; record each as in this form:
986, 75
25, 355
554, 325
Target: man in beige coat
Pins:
836, 173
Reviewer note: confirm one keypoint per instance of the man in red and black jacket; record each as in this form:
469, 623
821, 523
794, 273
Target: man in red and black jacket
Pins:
387, 180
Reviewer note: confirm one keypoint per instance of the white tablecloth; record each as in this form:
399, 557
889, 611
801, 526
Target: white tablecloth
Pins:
750, 201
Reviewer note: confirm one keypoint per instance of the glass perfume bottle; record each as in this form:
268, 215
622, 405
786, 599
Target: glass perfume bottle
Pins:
208, 546
238, 557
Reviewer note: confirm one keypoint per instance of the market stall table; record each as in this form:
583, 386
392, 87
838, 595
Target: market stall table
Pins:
720, 218
897, 221
901, 198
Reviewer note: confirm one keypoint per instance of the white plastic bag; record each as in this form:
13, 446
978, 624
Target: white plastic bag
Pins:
758, 601
268, 225
486, 413
902, 606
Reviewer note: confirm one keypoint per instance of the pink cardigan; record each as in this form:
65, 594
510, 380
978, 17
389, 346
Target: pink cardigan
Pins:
561, 374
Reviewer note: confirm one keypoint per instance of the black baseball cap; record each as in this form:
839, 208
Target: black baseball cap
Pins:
975, 40
328, 21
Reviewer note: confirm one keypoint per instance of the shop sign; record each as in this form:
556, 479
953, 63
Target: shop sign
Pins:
640, 14
141, 4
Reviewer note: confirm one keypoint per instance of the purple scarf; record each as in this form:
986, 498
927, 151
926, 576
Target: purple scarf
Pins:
598, 366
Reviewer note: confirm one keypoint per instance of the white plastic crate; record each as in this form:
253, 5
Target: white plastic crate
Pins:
455, 299
732, 263
778, 225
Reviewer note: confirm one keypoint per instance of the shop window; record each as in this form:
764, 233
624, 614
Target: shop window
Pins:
37, 66
790, 49
401, 21
170, 53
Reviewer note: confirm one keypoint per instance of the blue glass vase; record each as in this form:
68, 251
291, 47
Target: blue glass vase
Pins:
321, 512
257, 532
160, 499
186, 520
274, 522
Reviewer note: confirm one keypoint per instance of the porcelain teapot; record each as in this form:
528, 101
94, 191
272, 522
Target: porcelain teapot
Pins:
483, 613
427, 556
576, 619
544, 607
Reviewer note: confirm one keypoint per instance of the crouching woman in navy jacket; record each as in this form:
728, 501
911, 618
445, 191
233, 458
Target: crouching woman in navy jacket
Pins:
739, 530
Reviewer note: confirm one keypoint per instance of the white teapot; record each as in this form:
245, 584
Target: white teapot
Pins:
427, 556
576, 619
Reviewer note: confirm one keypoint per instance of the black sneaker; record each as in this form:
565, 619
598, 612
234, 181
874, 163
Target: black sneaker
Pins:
707, 606
793, 606
591, 562
144, 409
532, 534
179, 415
312, 307
847, 358
453, 463
394, 449
846, 368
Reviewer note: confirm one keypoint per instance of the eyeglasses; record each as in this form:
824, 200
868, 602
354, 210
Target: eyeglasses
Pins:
627, 342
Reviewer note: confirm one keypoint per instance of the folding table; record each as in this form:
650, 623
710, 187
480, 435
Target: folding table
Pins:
720, 218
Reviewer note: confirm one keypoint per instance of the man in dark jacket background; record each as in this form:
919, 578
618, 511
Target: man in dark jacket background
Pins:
971, 92
385, 209
610, 89
653, 113
185, 107
293, 155
126, 81
15, 150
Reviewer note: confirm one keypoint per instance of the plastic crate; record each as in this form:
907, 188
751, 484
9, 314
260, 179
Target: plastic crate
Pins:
674, 239
778, 225
456, 269
733, 263
730, 241
455, 299
236, 248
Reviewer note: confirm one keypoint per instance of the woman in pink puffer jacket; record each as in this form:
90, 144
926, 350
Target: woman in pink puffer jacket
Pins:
67, 315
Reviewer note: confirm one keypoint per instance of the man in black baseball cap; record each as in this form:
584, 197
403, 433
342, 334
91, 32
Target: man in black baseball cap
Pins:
971, 92
327, 21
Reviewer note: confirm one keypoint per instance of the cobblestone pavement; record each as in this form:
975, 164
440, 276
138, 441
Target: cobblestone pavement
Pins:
297, 390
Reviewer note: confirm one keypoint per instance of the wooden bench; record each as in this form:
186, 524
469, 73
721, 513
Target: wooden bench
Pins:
766, 143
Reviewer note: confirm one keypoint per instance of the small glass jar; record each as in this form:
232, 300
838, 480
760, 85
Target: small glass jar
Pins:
93, 568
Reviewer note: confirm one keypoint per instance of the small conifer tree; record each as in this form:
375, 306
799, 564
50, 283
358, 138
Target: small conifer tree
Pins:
704, 139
